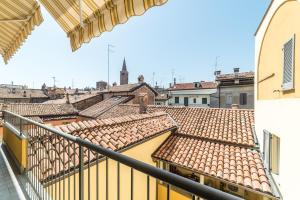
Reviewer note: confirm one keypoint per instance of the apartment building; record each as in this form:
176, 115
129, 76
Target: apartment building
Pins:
277, 102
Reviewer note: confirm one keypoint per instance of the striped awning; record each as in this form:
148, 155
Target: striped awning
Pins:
17, 19
83, 20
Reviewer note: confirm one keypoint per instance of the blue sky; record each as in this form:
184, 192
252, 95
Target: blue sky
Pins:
182, 36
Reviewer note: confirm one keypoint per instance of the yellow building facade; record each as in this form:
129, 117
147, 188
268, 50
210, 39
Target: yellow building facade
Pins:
277, 104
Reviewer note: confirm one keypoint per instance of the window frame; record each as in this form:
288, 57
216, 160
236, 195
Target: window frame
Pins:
271, 152
176, 100
226, 98
194, 100
206, 101
289, 85
243, 98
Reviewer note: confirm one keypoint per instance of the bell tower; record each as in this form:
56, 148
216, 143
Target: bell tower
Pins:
124, 74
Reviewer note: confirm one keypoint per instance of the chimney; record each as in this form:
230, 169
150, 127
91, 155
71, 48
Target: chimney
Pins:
114, 84
174, 81
68, 99
143, 101
236, 70
141, 79
217, 73
235, 106
24, 94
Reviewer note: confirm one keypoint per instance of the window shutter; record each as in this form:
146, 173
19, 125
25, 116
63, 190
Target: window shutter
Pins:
267, 137
275, 153
288, 64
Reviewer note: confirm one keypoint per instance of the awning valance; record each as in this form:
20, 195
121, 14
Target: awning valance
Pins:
17, 19
83, 20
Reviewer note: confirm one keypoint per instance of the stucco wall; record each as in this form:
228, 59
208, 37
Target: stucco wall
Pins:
281, 117
140, 152
275, 110
235, 91
282, 27
81, 105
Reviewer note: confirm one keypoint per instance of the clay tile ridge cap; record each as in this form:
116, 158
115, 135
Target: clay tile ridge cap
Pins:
116, 120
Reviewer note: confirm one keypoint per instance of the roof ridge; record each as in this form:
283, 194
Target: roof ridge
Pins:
200, 108
87, 124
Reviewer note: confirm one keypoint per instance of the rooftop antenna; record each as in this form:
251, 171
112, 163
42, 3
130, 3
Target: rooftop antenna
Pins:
153, 79
173, 74
54, 81
217, 63
109, 50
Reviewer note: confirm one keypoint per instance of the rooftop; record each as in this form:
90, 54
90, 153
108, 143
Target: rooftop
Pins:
239, 75
73, 98
40, 109
16, 93
191, 86
234, 126
115, 133
242, 166
97, 109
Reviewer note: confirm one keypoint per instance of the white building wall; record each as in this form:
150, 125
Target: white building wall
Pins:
191, 94
281, 117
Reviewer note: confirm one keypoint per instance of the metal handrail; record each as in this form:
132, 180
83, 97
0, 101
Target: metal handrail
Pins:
165, 176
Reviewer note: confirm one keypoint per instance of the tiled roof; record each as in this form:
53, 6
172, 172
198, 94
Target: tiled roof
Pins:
123, 88
39, 109
19, 93
73, 98
162, 97
191, 86
120, 110
97, 109
240, 75
36, 119
226, 125
114, 133
127, 88
235, 164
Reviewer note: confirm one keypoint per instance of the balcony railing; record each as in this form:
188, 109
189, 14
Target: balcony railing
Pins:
62, 166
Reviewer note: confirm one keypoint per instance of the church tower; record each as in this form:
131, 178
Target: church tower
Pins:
124, 74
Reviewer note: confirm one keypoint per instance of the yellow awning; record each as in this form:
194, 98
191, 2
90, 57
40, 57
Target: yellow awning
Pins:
17, 19
83, 20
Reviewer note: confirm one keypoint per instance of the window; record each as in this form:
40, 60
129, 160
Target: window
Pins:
195, 100
228, 99
204, 100
243, 98
288, 64
176, 99
271, 152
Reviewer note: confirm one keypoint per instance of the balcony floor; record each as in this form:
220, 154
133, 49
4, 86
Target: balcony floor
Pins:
7, 188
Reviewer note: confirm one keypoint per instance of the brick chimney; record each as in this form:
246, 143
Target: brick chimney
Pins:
141, 79
143, 102
235, 106
68, 99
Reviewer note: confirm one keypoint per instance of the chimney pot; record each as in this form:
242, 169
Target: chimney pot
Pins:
236, 70
143, 101
141, 79
68, 99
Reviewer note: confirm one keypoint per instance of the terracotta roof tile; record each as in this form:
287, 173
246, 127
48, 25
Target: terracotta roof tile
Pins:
97, 109
116, 134
191, 86
232, 163
39, 109
240, 75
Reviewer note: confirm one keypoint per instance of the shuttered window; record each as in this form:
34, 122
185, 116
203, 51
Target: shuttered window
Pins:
267, 137
271, 152
288, 64
243, 98
176, 99
275, 153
